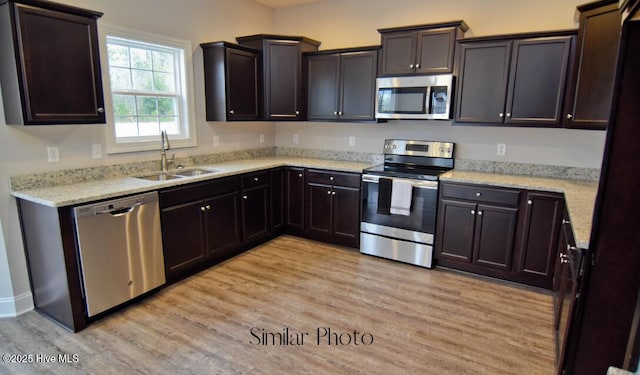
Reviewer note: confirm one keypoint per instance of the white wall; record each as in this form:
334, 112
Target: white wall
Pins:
351, 23
23, 149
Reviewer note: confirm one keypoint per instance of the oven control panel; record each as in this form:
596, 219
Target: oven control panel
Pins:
419, 148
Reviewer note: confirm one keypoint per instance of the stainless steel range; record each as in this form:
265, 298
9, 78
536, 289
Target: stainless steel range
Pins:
399, 200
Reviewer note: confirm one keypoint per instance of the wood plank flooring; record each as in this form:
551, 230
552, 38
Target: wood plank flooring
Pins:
422, 322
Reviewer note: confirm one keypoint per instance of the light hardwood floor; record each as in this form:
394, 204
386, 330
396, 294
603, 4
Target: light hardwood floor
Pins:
422, 321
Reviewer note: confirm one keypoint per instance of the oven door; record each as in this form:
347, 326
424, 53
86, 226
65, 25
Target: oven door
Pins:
418, 226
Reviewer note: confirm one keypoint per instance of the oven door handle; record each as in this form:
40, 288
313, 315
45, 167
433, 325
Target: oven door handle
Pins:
433, 185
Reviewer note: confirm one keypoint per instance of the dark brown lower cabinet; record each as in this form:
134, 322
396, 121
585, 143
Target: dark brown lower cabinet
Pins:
277, 207
499, 232
255, 207
294, 205
200, 225
333, 207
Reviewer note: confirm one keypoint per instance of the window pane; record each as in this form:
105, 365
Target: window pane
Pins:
118, 55
124, 105
167, 106
147, 106
164, 82
148, 126
142, 80
170, 124
126, 126
163, 62
120, 78
140, 59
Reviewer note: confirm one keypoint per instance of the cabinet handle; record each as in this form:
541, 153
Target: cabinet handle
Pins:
479, 213
529, 202
297, 113
299, 174
509, 114
478, 194
333, 193
331, 178
501, 115
208, 207
232, 112
569, 116
335, 113
256, 179
417, 66
473, 212
411, 66
328, 192
565, 221
203, 209
340, 113
245, 197
100, 110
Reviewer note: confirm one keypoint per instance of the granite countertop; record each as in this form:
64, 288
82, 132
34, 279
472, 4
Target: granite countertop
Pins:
580, 195
74, 194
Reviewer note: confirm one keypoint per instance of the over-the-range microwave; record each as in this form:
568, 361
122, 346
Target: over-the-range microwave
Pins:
414, 97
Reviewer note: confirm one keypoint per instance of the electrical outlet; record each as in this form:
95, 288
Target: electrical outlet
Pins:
261, 138
352, 141
53, 153
96, 151
296, 138
216, 141
502, 149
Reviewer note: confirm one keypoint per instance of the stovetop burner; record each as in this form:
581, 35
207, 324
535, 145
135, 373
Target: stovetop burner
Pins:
423, 160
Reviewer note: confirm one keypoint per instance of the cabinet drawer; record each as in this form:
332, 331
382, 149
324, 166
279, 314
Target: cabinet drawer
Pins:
333, 178
483, 194
255, 179
197, 191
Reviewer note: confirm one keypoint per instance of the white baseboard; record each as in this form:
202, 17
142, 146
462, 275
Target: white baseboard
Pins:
14, 306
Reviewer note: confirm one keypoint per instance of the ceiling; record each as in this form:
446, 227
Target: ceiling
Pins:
283, 3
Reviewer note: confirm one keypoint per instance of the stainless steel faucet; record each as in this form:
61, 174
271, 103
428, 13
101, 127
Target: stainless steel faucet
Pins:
164, 162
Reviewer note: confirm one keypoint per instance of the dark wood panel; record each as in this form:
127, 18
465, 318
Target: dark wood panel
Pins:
222, 223
254, 179
182, 238
318, 210
358, 76
282, 75
199, 190
242, 72
278, 191
323, 75
346, 216
483, 194
435, 51
494, 236
295, 200
455, 234
398, 52
255, 214
326, 177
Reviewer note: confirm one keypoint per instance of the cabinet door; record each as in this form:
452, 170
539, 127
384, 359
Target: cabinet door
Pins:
223, 223
295, 200
590, 90
283, 72
255, 214
482, 85
323, 87
182, 237
435, 51
59, 67
242, 85
398, 53
494, 236
278, 199
538, 76
541, 227
358, 85
318, 212
456, 224
346, 216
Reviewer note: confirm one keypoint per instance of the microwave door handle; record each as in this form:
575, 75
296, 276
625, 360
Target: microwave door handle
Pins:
427, 107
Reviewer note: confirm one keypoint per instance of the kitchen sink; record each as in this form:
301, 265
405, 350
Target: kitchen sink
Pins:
177, 174
194, 172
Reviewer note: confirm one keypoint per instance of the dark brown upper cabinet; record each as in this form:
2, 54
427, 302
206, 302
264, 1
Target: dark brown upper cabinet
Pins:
49, 64
420, 49
341, 84
513, 80
590, 85
283, 87
231, 82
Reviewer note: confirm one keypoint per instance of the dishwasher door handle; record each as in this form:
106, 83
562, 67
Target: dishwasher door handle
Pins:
120, 211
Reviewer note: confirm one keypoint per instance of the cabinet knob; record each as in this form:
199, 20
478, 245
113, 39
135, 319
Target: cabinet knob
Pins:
232, 112
508, 114
479, 213
256, 179
569, 116
208, 207
478, 194
245, 197
299, 174
501, 115
417, 66
331, 178
335, 113
297, 113
565, 221
340, 113
203, 209
473, 212
529, 202
333, 193
328, 192
411, 66
100, 110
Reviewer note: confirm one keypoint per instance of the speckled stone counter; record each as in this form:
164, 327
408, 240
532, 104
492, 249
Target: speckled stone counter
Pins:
78, 193
579, 195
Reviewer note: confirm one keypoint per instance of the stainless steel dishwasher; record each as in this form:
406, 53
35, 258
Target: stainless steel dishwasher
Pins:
120, 248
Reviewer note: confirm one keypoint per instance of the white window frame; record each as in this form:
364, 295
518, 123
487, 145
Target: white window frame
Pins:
187, 107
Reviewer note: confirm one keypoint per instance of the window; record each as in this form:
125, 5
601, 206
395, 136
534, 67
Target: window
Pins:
147, 90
